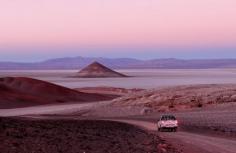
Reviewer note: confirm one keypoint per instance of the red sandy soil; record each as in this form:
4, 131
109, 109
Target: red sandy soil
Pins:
18, 135
22, 92
97, 70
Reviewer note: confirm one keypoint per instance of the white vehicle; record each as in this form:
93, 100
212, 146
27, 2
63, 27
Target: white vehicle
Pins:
167, 122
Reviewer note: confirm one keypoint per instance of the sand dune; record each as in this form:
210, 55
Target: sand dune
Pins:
21, 92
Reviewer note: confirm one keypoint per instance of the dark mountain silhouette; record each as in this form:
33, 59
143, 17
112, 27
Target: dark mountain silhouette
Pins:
121, 63
97, 70
22, 92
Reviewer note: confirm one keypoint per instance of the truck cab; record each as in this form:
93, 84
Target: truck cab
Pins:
168, 122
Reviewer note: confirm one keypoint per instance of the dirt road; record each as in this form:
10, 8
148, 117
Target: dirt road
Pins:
50, 109
189, 142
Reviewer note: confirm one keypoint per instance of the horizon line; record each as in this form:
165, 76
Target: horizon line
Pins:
97, 57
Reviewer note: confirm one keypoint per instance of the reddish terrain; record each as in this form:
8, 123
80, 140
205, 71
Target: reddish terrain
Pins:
77, 136
21, 92
206, 115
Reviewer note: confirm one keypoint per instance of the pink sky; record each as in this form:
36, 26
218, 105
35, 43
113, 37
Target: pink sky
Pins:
117, 22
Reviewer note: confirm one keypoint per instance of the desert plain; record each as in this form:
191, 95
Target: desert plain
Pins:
118, 115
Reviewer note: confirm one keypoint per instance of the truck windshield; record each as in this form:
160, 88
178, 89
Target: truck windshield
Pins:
168, 118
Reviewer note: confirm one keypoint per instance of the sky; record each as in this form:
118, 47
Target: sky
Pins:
33, 30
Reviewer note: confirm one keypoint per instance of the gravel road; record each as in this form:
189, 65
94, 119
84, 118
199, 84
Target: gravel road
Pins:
51, 109
189, 142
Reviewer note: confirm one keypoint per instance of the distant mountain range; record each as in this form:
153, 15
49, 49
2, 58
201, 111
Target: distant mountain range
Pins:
121, 63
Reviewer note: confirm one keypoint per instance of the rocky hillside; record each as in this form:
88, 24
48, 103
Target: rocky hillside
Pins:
180, 97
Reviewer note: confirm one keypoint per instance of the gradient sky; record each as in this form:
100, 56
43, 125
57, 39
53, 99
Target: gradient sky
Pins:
39, 29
